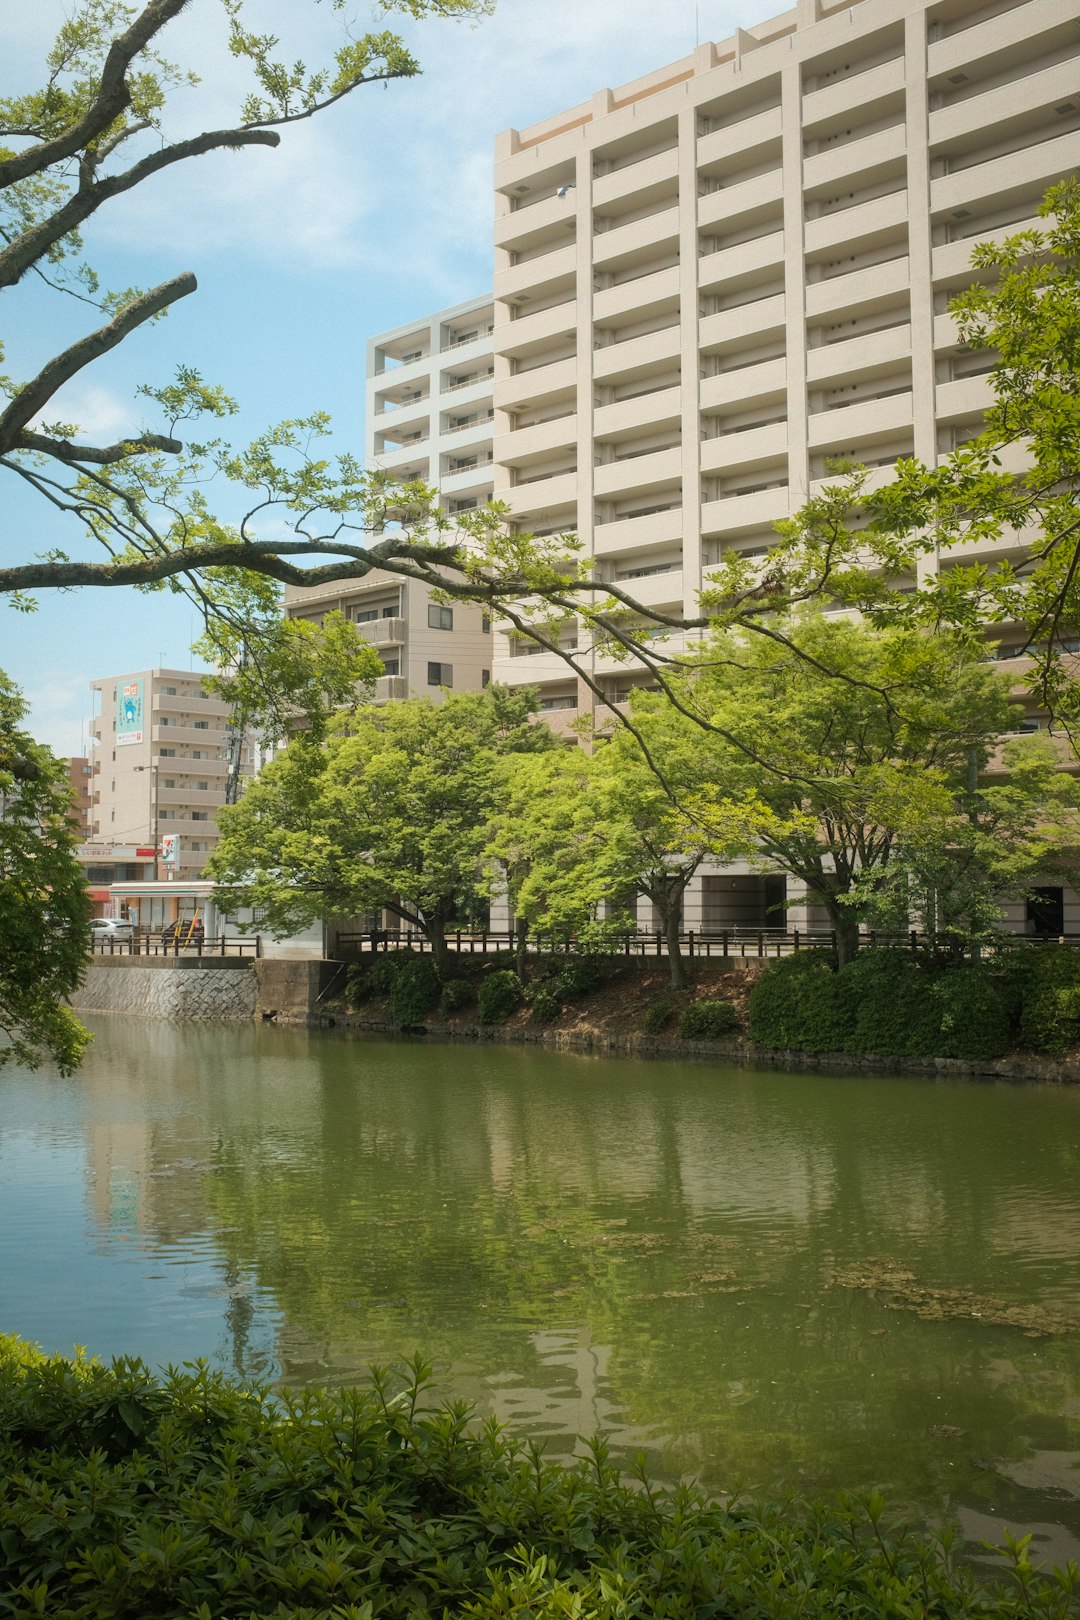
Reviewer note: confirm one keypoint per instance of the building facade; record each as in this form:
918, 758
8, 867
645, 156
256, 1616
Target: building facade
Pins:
161, 759
711, 281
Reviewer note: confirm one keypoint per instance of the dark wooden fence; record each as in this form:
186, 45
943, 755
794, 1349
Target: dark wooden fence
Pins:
742, 943
143, 944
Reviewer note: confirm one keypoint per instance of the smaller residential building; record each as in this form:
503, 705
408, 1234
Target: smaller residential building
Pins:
80, 772
162, 746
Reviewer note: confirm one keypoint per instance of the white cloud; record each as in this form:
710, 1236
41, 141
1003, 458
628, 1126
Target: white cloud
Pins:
59, 713
101, 416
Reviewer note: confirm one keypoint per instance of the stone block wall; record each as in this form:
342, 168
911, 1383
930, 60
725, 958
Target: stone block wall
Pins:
211, 991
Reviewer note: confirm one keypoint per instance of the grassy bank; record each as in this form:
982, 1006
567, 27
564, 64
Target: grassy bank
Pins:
187, 1498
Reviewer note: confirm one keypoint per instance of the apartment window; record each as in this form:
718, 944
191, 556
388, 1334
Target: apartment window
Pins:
200, 815
165, 720
440, 618
202, 786
440, 674
168, 781
485, 624
391, 666
199, 753
202, 725
547, 704
166, 753
365, 615
485, 677
389, 612
168, 691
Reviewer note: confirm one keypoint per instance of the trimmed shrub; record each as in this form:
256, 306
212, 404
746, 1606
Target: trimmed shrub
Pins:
456, 993
1047, 982
581, 975
708, 1021
500, 995
358, 985
658, 1016
892, 1011
383, 972
798, 1004
415, 991
974, 1006
545, 1002
187, 1498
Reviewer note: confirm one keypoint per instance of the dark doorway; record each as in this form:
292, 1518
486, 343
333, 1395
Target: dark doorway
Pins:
1046, 911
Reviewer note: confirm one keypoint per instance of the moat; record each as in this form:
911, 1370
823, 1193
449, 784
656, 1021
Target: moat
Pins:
706, 1264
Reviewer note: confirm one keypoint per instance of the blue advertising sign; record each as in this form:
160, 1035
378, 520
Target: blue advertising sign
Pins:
129, 713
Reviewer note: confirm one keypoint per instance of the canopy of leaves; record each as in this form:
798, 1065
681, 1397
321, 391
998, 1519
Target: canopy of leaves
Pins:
44, 905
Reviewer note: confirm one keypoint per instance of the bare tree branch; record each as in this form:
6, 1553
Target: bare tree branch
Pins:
106, 456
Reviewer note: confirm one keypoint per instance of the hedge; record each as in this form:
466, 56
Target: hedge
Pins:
189, 1498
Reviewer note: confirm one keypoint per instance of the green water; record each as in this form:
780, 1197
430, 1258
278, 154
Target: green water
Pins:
578, 1244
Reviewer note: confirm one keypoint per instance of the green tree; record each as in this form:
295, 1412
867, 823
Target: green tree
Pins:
43, 900
852, 740
392, 810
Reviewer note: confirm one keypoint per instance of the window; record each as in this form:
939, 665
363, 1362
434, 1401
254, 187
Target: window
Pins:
485, 677
165, 720
168, 781
202, 725
440, 618
440, 675
389, 612
202, 786
485, 624
200, 815
365, 615
391, 666
168, 691
166, 753
547, 704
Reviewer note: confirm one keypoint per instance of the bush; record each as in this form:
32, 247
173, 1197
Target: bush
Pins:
383, 972
415, 991
187, 1498
500, 995
658, 1016
545, 1002
708, 1021
798, 1005
358, 985
974, 1005
581, 975
1047, 984
891, 1009
456, 993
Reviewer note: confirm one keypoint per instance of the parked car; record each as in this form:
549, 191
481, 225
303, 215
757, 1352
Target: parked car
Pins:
111, 928
190, 933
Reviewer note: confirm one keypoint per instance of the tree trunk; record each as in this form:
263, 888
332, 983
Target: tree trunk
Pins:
846, 929
436, 933
521, 939
676, 964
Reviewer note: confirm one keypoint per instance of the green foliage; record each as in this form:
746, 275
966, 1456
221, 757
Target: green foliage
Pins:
456, 994
796, 1005
659, 1015
44, 906
889, 1003
500, 995
545, 1001
1048, 989
187, 1498
415, 991
709, 1021
582, 975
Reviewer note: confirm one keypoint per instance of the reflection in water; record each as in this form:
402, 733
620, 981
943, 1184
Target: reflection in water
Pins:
579, 1244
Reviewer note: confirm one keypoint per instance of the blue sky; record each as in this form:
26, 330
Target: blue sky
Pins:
368, 216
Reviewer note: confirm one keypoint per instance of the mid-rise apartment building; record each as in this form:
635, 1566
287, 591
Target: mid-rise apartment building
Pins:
711, 281
161, 761
428, 417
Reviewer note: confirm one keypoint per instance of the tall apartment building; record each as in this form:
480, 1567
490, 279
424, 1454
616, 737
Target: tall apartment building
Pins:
712, 280
161, 759
428, 416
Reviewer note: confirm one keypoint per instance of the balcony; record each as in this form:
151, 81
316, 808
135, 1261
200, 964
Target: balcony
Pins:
390, 688
382, 632
756, 509
1018, 26
746, 447
858, 354
169, 735
528, 226
951, 263
654, 347
636, 178
861, 157
535, 331
661, 409
858, 288
1002, 105
392, 458
475, 479
967, 396
725, 146
545, 495
532, 669
1034, 168
536, 274
852, 91
616, 478
636, 297
210, 708
654, 590
560, 377
654, 231
759, 196
542, 438
746, 384
766, 317
639, 533
867, 220
743, 262
863, 419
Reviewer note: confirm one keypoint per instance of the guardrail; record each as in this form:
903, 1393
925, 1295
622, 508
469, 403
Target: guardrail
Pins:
741, 943
154, 945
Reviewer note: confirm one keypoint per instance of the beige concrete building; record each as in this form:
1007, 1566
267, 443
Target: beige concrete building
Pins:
710, 280
429, 417
161, 759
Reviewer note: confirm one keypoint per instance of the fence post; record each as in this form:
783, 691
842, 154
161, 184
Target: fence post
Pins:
724, 938
795, 938
659, 936
914, 940
483, 940
690, 942
760, 943
458, 938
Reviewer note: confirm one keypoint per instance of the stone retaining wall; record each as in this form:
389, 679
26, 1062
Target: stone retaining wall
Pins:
197, 991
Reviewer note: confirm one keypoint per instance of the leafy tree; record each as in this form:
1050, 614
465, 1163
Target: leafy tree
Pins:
43, 900
854, 740
390, 811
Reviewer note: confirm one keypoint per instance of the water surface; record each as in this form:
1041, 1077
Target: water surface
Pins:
578, 1244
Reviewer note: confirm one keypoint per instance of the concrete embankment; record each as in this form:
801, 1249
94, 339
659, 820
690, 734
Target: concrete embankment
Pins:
188, 988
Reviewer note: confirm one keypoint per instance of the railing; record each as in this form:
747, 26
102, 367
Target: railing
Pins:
741, 943
146, 944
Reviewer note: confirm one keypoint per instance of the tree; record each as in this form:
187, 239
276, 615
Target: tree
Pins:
43, 900
854, 739
391, 811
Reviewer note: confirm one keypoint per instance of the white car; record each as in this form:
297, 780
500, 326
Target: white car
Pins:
111, 928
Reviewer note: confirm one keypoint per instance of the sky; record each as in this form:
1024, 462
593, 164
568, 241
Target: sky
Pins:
370, 215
